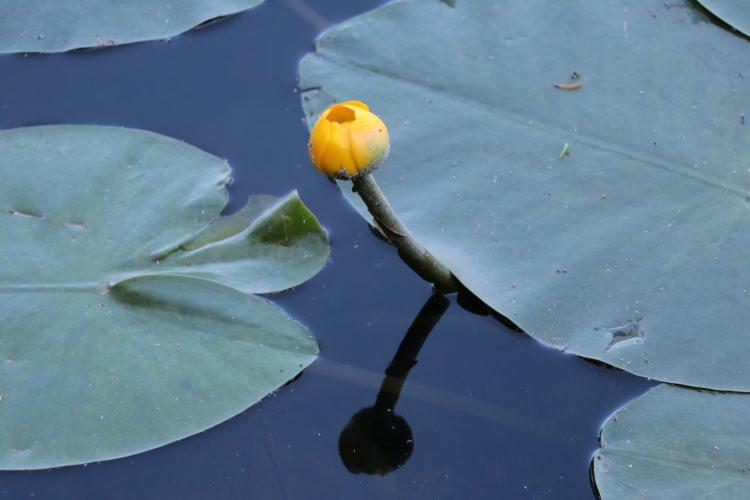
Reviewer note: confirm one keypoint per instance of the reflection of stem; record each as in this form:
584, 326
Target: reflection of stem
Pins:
376, 440
406, 355
414, 254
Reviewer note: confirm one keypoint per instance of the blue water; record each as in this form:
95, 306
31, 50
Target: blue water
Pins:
492, 413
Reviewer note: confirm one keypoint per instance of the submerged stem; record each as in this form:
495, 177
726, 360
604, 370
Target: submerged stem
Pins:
414, 254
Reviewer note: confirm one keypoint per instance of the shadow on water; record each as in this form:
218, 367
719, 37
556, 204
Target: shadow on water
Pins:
377, 440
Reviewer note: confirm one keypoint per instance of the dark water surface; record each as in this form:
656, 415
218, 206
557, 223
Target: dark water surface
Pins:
493, 414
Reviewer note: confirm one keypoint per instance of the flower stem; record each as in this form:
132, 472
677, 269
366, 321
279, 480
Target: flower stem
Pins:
414, 254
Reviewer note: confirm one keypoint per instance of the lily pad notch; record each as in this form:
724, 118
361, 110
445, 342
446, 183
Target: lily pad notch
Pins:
129, 302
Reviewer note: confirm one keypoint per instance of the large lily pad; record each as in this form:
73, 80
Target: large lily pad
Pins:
735, 13
60, 25
127, 320
632, 249
676, 443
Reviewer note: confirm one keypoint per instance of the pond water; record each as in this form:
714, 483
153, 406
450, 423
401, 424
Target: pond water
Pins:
490, 412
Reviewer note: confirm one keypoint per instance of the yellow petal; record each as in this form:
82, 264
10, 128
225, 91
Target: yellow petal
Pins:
368, 140
338, 156
318, 140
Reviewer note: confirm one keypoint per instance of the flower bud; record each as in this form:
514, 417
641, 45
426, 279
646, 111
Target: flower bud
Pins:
348, 140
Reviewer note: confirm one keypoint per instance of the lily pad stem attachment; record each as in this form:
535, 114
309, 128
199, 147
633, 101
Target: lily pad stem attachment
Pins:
411, 251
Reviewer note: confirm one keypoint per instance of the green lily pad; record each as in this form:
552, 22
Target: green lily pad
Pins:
128, 319
60, 25
676, 443
631, 248
736, 13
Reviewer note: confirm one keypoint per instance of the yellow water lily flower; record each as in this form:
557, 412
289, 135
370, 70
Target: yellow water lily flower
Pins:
348, 140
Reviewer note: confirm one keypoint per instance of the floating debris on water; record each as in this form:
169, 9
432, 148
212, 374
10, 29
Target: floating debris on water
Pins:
575, 84
567, 86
